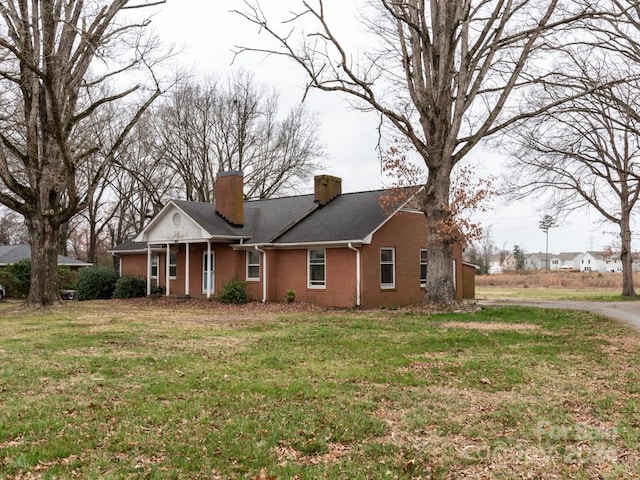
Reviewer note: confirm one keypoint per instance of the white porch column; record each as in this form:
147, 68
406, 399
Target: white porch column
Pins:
148, 269
166, 269
186, 269
209, 268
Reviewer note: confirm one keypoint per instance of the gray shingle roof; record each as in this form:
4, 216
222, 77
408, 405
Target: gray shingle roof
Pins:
129, 246
10, 254
292, 220
351, 216
205, 215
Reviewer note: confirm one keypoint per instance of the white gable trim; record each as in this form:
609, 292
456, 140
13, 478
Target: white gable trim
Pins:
200, 234
369, 238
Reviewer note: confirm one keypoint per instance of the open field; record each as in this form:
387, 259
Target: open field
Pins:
552, 286
155, 389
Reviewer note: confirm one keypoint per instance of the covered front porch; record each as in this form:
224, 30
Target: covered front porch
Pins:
165, 260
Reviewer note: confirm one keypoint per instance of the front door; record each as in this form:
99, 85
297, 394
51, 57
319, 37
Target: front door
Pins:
208, 269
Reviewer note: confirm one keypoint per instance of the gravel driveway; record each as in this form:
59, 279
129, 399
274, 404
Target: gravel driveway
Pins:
625, 312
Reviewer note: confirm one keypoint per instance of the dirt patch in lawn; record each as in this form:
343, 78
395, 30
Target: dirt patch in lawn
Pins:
491, 326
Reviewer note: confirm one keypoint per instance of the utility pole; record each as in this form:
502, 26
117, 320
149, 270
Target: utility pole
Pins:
545, 224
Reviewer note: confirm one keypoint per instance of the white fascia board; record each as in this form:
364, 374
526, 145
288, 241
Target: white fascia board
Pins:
203, 239
290, 246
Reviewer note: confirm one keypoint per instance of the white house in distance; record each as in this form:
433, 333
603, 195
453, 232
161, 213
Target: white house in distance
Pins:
534, 261
605, 262
565, 261
496, 264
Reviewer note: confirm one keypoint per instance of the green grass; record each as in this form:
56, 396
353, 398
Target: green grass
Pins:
129, 390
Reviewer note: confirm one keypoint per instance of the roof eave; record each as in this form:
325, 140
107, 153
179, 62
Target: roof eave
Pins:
298, 245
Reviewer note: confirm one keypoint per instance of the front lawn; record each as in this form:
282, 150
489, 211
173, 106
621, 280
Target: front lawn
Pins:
142, 389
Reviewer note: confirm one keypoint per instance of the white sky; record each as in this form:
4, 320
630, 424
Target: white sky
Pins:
207, 32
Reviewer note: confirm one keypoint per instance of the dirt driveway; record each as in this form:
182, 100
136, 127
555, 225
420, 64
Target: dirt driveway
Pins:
625, 312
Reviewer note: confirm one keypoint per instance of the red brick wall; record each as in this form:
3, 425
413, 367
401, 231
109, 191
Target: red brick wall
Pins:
406, 232
134, 265
288, 271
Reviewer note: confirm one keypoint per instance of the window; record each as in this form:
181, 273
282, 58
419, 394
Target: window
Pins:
253, 265
387, 268
423, 267
154, 266
173, 264
317, 268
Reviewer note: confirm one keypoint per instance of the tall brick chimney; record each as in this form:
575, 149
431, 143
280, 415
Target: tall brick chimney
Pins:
326, 188
230, 197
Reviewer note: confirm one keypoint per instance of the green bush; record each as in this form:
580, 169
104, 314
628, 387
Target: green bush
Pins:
291, 296
234, 291
20, 278
96, 283
130, 287
67, 278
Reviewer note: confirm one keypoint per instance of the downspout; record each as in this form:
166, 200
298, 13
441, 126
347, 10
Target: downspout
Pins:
358, 286
264, 273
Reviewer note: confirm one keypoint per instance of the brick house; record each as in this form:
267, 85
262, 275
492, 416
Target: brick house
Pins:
332, 249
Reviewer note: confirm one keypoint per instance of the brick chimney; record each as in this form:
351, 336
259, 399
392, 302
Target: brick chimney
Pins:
326, 188
230, 197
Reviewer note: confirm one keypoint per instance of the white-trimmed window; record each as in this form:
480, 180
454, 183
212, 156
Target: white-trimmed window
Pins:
154, 266
253, 265
387, 267
317, 268
423, 268
173, 264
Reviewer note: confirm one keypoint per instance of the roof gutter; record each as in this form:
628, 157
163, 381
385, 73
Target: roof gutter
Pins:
330, 244
358, 278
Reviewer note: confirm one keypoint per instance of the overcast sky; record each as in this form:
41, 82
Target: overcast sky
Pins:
206, 32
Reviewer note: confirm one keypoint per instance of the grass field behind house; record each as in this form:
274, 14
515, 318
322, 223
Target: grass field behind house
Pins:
553, 285
156, 390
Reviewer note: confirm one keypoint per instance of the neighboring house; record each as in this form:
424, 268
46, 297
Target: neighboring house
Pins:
10, 254
597, 262
509, 263
566, 261
496, 264
333, 249
534, 261
608, 262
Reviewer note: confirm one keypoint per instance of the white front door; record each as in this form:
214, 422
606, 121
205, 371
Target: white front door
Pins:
208, 270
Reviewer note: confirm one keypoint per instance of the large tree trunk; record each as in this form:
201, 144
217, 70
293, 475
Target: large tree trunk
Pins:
44, 234
439, 289
625, 255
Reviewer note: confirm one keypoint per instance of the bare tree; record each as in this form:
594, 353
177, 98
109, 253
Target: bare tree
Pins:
586, 153
208, 127
12, 228
487, 248
61, 63
441, 77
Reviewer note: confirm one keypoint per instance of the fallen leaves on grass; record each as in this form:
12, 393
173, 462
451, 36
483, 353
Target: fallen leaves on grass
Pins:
286, 454
486, 326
